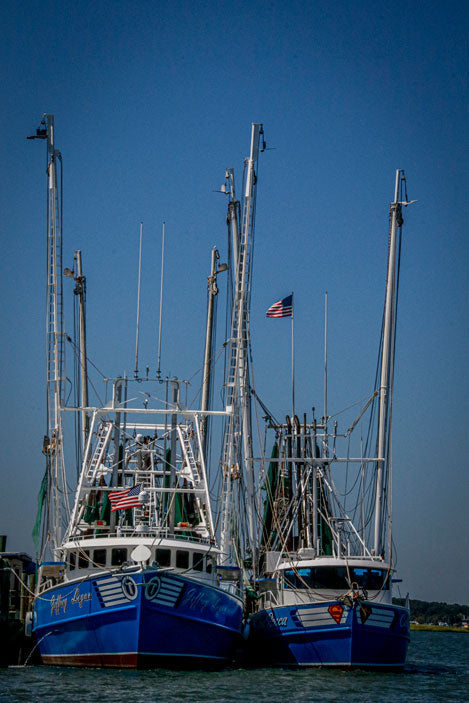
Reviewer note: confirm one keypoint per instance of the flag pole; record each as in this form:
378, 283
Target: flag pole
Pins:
292, 363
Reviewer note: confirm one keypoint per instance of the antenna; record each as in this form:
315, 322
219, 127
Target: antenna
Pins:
292, 360
138, 301
325, 358
158, 373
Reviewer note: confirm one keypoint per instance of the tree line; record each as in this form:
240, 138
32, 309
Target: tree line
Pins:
432, 613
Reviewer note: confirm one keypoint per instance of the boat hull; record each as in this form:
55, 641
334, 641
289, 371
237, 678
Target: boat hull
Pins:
137, 620
365, 635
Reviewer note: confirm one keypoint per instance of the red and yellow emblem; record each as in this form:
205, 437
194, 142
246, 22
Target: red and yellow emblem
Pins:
335, 611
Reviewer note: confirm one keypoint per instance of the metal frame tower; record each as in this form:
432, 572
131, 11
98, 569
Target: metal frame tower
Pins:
237, 442
55, 362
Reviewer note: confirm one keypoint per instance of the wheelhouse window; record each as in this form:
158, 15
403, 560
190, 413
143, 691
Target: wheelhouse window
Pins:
209, 565
84, 559
337, 578
182, 559
163, 557
371, 579
72, 560
99, 557
198, 561
118, 556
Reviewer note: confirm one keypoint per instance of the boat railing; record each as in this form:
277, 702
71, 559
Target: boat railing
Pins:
267, 598
235, 589
153, 533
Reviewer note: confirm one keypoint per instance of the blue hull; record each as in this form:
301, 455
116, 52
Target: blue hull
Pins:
147, 619
319, 634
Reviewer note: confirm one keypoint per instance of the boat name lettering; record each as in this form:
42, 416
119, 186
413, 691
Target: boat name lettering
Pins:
198, 600
80, 597
280, 622
195, 599
58, 603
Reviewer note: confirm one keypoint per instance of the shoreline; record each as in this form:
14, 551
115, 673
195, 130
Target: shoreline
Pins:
439, 628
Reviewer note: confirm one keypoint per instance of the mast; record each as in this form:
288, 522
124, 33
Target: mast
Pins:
238, 431
172, 478
52, 447
80, 290
208, 361
117, 459
387, 363
315, 497
233, 213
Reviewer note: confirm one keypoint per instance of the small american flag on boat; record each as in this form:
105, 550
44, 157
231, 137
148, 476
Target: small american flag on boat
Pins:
282, 308
128, 498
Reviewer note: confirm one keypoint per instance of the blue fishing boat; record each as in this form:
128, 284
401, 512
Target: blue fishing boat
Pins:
135, 615
128, 573
314, 538
317, 612
321, 592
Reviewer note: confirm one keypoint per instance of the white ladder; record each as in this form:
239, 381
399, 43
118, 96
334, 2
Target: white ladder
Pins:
142, 512
96, 465
188, 453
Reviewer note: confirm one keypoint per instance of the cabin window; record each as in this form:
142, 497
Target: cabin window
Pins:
72, 558
198, 561
118, 556
83, 559
163, 557
371, 579
209, 565
99, 557
182, 559
336, 577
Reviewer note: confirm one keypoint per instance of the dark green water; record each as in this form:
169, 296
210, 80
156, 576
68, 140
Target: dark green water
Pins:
437, 670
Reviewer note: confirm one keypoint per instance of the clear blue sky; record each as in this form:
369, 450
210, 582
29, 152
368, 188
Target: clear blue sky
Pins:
152, 101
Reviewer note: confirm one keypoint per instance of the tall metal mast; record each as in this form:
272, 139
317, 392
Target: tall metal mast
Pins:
238, 431
54, 334
212, 291
387, 364
80, 291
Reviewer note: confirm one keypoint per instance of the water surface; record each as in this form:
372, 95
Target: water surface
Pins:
437, 670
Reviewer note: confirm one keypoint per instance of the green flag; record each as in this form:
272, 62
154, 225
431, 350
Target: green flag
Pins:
40, 502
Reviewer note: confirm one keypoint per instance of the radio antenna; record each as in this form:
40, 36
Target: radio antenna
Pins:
138, 300
158, 373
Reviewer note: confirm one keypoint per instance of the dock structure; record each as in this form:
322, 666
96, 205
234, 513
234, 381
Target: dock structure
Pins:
17, 582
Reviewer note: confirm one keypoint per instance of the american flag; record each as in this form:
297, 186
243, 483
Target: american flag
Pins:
282, 308
127, 498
